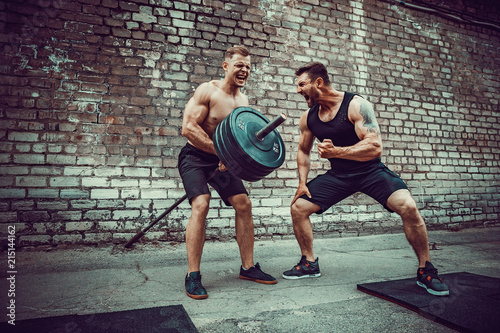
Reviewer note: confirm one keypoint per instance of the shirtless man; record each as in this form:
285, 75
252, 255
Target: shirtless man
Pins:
211, 103
349, 136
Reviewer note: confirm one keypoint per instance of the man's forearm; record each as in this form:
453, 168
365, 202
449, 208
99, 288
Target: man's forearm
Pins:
364, 150
303, 164
200, 140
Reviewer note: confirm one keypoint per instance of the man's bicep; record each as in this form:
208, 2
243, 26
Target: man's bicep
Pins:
306, 137
198, 105
195, 111
365, 121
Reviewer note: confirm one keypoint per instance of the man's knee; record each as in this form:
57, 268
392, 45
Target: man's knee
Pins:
295, 210
407, 207
302, 208
241, 203
200, 204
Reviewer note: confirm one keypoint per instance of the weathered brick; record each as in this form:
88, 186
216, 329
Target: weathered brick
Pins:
27, 181
124, 183
43, 193
97, 215
74, 194
104, 194
68, 239
61, 159
52, 205
126, 214
96, 128
34, 240
95, 182
153, 194
22, 136
92, 238
64, 181
78, 226
28, 159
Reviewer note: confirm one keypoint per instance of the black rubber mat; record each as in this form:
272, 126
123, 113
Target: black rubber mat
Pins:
168, 319
472, 306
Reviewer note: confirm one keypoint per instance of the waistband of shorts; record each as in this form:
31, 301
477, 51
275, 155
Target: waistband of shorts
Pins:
360, 170
190, 149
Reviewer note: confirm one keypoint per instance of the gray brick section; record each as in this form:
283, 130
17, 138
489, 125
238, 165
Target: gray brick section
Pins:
90, 129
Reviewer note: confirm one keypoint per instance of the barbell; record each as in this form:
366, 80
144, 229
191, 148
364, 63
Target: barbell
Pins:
248, 145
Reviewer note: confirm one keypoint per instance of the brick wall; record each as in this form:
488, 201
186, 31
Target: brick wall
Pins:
92, 94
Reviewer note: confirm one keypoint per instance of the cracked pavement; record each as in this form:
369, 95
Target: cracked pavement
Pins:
86, 280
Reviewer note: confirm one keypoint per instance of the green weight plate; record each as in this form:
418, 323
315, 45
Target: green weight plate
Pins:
233, 162
244, 123
241, 151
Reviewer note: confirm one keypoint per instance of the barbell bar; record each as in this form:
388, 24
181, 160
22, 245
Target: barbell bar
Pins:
159, 218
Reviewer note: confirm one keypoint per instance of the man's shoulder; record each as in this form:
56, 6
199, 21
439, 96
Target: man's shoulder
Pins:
358, 98
209, 85
357, 101
205, 91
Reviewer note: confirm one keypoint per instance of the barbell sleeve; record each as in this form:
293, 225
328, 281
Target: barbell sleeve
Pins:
271, 126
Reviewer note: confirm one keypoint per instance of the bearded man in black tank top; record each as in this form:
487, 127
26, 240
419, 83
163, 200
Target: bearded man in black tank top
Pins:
349, 136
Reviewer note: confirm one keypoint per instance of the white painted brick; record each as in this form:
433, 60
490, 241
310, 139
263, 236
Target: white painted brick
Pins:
43, 193
64, 182
262, 211
97, 215
23, 136
137, 172
272, 202
61, 159
104, 194
108, 172
124, 183
130, 194
29, 159
153, 194
27, 181
74, 194
143, 204
126, 214
78, 171
95, 182
78, 226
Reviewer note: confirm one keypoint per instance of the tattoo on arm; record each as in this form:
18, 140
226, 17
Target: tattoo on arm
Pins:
369, 120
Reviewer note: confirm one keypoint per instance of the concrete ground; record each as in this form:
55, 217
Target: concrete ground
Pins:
88, 280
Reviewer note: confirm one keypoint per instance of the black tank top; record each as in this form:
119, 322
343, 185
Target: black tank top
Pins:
341, 131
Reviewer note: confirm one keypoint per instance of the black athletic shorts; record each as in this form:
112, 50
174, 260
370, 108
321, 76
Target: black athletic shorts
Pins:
195, 167
332, 187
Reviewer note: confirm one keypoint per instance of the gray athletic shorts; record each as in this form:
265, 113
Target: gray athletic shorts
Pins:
332, 187
195, 167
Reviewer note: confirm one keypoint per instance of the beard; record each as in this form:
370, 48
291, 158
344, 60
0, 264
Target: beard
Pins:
311, 100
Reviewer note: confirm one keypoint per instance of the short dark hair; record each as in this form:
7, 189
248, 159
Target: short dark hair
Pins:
236, 50
314, 70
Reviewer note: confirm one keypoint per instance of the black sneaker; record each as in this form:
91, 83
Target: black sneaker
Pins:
304, 269
427, 277
194, 289
256, 274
